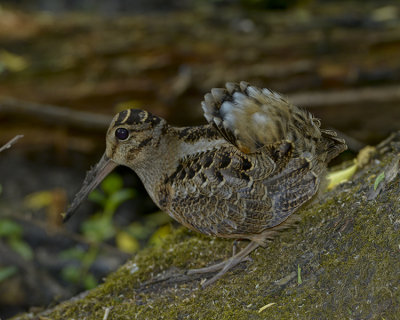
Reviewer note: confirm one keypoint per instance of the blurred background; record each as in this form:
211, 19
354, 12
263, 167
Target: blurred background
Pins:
66, 67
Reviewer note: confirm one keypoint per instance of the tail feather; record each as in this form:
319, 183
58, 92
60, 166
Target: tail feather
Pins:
250, 117
335, 145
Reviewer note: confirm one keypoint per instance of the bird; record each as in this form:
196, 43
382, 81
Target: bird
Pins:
242, 175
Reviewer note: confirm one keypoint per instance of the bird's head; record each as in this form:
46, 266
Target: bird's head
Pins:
131, 138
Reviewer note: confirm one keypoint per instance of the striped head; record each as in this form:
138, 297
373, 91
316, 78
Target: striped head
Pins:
132, 136
131, 139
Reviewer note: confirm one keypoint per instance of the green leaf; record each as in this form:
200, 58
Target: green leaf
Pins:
112, 183
126, 242
157, 238
9, 228
299, 281
379, 179
116, 199
71, 274
73, 254
157, 219
138, 231
97, 197
98, 228
90, 257
89, 281
1, 188
21, 247
7, 272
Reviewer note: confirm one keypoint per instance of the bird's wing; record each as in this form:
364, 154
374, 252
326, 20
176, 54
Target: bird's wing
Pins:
250, 117
227, 192
270, 167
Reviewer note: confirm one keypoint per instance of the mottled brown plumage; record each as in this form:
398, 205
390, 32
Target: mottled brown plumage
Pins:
241, 176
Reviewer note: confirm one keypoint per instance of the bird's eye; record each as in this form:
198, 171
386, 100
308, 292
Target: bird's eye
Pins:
122, 133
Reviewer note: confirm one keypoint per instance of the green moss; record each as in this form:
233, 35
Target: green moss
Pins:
346, 247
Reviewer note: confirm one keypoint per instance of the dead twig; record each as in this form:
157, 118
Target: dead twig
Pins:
11, 142
106, 312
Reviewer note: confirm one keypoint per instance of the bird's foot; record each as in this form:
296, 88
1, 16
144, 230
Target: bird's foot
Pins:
226, 265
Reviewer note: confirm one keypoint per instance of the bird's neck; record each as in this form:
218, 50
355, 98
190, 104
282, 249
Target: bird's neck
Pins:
174, 146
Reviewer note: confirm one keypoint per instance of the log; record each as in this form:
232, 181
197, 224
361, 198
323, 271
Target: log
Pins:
342, 261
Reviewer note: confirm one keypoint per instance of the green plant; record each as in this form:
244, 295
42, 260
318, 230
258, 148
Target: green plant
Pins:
100, 227
79, 273
7, 272
96, 229
11, 232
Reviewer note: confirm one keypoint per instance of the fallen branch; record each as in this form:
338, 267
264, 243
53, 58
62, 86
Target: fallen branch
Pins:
352, 96
11, 142
55, 114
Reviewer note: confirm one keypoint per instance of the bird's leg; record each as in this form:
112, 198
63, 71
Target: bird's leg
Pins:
234, 250
241, 256
220, 265
217, 266
234, 246
225, 265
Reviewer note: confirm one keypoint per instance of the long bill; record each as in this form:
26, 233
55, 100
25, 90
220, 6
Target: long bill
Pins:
92, 180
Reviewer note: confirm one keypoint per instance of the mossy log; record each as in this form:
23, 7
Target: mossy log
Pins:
342, 261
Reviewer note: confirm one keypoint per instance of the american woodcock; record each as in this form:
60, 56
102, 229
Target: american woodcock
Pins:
241, 176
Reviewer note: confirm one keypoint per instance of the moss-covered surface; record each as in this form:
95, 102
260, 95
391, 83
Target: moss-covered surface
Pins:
346, 250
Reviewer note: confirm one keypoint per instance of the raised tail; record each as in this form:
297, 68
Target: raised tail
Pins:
334, 144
